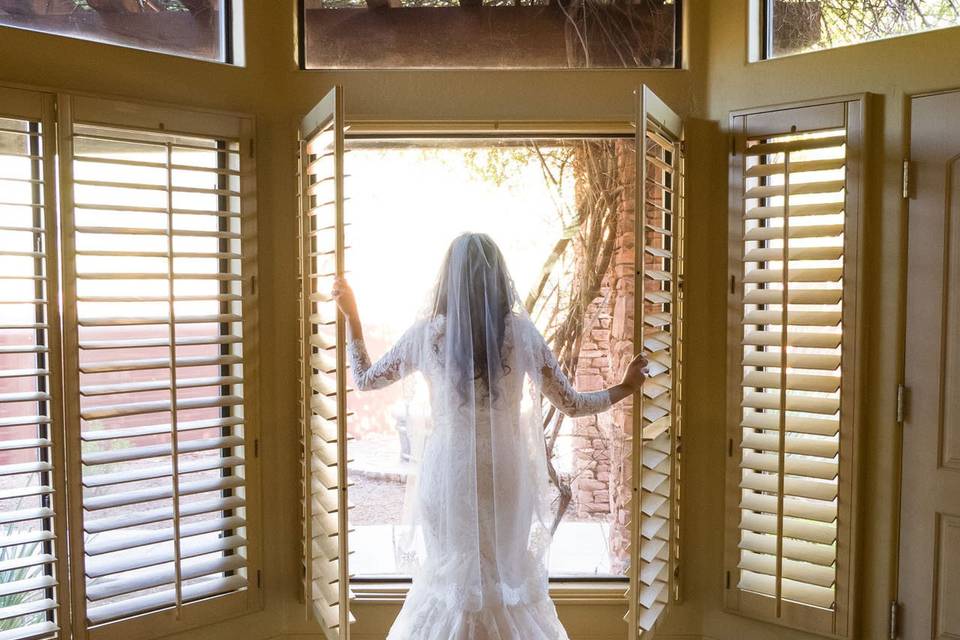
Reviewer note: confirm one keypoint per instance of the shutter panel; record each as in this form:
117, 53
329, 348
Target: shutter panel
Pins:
32, 498
794, 208
323, 370
157, 273
659, 230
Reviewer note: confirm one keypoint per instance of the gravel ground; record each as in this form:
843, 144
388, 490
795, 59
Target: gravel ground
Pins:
378, 501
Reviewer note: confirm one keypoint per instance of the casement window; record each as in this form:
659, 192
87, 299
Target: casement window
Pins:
491, 34
786, 27
647, 479
655, 570
158, 437
204, 29
323, 378
794, 246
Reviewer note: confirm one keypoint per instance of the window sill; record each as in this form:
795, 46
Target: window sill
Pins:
563, 592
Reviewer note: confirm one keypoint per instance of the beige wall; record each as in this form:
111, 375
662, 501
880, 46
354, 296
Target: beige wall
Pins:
277, 93
893, 69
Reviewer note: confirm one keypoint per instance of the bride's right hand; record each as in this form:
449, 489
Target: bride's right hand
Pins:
636, 373
342, 294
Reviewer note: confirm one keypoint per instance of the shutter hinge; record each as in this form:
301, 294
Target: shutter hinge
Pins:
733, 284
253, 285
729, 447
894, 614
901, 401
256, 447
259, 581
906, 178
727, 578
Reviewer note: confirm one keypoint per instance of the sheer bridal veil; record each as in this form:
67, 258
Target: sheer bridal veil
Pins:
477, 525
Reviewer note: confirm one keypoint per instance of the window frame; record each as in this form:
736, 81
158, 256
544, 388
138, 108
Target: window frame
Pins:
57, 112
375, 599
367, 587
143, 116
780, 120
231, 30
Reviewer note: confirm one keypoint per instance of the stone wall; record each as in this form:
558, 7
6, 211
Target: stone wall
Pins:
601, 483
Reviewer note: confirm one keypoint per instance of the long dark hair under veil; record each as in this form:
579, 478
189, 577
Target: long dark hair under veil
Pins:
475, 268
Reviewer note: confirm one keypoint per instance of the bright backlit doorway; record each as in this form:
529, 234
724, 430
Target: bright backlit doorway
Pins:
561, 210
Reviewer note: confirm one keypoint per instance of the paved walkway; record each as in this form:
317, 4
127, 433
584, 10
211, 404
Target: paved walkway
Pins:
579, 549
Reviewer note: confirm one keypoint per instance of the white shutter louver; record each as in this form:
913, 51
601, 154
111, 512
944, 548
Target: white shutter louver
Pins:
32, 518
659, 233
323, 370
790, 424
154, 287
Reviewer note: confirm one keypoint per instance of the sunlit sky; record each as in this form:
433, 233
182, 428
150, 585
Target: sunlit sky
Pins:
420, 201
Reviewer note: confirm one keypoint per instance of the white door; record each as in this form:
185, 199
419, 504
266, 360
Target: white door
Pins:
929, 583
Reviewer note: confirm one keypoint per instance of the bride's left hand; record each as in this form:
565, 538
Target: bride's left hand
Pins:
636, 373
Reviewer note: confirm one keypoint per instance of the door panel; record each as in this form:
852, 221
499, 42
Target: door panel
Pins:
929, 578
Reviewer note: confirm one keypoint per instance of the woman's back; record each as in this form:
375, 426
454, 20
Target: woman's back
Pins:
479, 522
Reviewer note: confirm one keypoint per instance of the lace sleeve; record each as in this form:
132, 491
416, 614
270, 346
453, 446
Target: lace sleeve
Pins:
392, 367
560, 392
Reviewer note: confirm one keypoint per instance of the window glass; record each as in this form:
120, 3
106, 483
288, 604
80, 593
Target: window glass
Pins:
192, 28
550, 205
490, 33
160, 334
29, 592
796, 26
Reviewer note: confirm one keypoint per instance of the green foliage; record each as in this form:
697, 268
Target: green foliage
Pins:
25, 573
167, 5
816, 24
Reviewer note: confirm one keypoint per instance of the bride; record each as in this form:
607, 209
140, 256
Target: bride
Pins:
478, 522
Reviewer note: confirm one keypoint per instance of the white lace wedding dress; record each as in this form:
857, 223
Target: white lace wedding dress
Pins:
477, 530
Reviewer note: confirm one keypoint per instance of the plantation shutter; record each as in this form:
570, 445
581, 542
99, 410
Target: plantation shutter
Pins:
659, 231
323, 369
159, 305
32, 500
793, 304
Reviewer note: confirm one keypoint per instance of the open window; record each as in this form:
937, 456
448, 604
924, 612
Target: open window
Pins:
792, 365
534, 180
657, 426
323, 375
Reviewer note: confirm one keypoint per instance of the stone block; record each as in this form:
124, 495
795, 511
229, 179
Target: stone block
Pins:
600, 335
589, 484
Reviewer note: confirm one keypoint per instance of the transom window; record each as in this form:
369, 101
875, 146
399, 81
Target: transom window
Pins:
205, 29
798, 26
494, 34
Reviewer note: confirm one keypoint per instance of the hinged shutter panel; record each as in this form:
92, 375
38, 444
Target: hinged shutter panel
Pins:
32, 498
157, 297
659, 232
793, 250
323, 369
